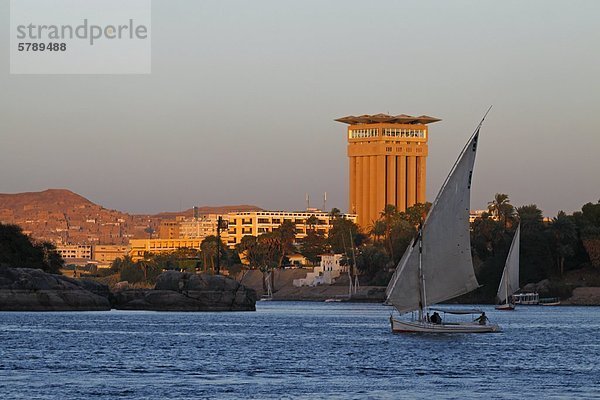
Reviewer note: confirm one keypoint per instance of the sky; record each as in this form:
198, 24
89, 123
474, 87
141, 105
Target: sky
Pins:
240, 105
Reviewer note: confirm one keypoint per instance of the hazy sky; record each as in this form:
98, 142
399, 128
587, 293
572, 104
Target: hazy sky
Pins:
241, 102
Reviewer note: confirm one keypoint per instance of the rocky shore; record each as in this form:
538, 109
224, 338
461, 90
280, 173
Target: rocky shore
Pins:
23, 289
183, 291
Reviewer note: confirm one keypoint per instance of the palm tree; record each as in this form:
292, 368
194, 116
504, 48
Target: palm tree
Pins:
378, 229
335, 213
531, 218
208, 248
285, 234
311, 222
389, 218
417, 213
564, 234
501, 209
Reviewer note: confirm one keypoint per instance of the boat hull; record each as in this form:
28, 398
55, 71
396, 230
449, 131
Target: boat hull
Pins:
505, 307
427, 327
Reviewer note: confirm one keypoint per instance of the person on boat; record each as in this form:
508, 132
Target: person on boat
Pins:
435, 318
483, 319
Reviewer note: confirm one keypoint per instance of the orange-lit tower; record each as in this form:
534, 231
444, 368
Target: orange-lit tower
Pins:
388, 161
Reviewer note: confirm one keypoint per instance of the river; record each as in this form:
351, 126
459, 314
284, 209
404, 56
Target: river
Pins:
295, 350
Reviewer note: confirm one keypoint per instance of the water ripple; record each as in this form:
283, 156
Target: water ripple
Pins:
295, 351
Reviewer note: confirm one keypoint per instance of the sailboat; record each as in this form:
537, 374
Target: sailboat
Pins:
268, 296
437, 266
509, 283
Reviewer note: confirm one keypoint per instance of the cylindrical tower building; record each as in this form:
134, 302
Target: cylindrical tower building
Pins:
388, 163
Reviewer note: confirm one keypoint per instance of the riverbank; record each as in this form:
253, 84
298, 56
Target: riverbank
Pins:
286, 291
580, 295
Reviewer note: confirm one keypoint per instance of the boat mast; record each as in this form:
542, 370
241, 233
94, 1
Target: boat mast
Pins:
350, 267
422, 300
506, 290
354, 264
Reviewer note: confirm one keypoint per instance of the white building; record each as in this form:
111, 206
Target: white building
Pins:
198, 228
326, 273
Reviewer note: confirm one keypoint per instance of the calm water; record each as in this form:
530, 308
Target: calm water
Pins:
295, 350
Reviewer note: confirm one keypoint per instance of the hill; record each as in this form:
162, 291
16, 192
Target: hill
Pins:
51, 200
61, 216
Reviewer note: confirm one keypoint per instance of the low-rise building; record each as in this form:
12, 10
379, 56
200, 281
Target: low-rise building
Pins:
140, 246
190, 232
326, 273
475, 214
106, 253
168, 229
71, 251
199, 228
256, 223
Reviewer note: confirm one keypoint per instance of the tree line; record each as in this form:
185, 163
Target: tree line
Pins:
20, 251
550, 248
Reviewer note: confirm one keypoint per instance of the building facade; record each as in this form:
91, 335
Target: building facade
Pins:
105, 254
198, 228
326, 273
256, 223
189, 228
387, 161
248, 223
137, 247
75, 251
169, 229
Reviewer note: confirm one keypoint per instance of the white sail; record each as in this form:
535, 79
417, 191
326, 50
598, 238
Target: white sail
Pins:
402, 261
446, 262
509, 283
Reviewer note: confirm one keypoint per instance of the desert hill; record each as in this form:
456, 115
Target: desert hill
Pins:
61, 216
57, 200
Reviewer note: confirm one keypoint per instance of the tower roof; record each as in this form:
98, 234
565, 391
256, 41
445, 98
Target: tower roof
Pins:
392, 119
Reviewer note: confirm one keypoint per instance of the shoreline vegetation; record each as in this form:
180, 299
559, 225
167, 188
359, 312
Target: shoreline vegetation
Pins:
560, 257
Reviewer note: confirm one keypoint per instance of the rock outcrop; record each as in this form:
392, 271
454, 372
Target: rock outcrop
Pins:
543, 287
183, 291
23, 289
584, 296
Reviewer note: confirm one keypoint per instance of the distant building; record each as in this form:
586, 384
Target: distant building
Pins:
297, 260
189, 228
475, 214
256, 223
388, 156
198, 228
191, 232
75, 251
326, 273
168, 229
107, 253
140, 246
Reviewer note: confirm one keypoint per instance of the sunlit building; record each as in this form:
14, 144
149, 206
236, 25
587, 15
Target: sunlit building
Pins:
189, 228
138, 247
256, 223
387, 161
192, 232
106, 253
75, 251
